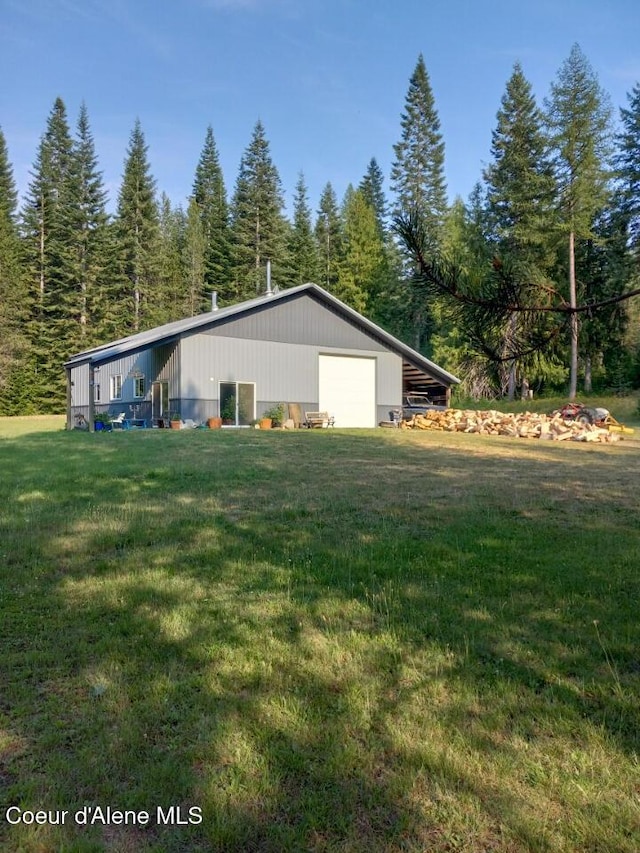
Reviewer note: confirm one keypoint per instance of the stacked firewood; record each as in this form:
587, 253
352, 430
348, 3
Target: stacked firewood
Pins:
524, 425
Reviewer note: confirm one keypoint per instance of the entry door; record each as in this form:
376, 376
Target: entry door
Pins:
159, 399
347, 389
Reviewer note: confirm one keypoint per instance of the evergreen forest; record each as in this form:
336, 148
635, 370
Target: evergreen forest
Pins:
529, 284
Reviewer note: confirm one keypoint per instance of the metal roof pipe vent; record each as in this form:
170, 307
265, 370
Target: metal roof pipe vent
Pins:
214, 300
269, 290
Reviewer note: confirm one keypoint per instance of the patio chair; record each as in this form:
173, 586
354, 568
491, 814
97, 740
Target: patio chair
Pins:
120, 421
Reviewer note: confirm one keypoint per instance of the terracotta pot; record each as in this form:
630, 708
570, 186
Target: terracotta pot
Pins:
176, 424
214, 423
265, 423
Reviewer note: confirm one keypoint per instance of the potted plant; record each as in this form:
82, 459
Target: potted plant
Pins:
175, 420
101, 421
275, 416
214, 423
228, 410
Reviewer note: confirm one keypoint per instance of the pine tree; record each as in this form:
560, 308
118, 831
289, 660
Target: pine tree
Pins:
194, 260
602, 268
628, 201
111, 304
417, 179
371, 189
520, 184
8, 192
628, 168
138, 235
463, 242
210, 194
387, 301
520, 190
258, 224
13, 298
417, 174
172, 298
303, 248
46, 223
42, 213
329, 238
361, 268
578, 116
86, 236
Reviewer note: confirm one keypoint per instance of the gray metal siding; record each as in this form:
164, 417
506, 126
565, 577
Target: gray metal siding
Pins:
154, 364
80, 386
282, 372
299, 320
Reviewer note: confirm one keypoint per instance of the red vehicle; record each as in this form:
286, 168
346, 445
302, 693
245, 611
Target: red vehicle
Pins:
583, 414
592, 415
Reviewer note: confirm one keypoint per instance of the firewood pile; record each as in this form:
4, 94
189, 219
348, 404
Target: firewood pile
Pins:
524, 425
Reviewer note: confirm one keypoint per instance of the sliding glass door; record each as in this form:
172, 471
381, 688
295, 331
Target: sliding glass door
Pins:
237, 403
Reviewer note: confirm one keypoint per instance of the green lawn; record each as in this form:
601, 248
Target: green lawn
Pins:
320, 640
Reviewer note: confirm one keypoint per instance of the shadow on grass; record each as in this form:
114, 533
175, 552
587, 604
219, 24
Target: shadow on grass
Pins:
324, 641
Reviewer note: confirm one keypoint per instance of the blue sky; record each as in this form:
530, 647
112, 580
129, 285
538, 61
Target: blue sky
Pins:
327, 78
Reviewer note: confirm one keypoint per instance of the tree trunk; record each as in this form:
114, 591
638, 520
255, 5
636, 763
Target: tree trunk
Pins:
42, 257
257, 251
511, 392
573, 369
588, 385
136, 304
509, 340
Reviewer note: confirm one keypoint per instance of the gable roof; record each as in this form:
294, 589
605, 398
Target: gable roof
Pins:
171, 332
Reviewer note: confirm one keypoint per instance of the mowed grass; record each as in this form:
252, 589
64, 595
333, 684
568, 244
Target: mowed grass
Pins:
324, 640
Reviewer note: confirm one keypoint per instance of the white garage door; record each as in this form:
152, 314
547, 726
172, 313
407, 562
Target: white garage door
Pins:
348, 390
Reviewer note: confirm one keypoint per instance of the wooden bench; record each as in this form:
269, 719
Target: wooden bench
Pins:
318, 419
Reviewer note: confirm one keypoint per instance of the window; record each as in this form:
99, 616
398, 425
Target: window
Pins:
96, 392
138, 386
116, 387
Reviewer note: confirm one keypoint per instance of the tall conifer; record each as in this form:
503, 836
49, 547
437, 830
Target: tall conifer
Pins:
628, 168
417, 174
8, 192
303, 249
417, 179
361, 268
329, 238
258, 224
210, 194
14, 398
45, 226
194, 261
371, 188
86, 227
520, 191
171, 298
578, 116
520, 184
138, 233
